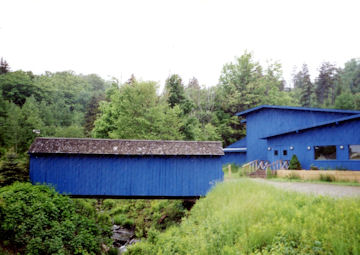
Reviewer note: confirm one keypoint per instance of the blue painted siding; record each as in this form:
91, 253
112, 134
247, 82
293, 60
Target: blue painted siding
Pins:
270, 121
157, 176
344, 133
238, 158
238, 144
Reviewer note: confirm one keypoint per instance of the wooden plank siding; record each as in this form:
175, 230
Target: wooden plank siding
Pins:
127, 176
338, 134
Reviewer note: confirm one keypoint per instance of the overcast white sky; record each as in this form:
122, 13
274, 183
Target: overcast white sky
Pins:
153, 39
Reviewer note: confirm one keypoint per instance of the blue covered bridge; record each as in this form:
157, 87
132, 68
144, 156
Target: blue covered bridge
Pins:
126, 168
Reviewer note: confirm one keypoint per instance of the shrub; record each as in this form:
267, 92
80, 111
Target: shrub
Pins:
108, 204
294, 163
327, 177
123, 221
35, 219
312, 167
142, 215
341, 168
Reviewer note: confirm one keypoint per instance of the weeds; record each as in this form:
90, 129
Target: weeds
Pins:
293, 176
244, 217
327, 178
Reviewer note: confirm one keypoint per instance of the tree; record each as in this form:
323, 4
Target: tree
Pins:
175, 90
3, 116
348, 101
326, 84
135, 112
245, 84
92, 112
12, 128
294, 163
4, 66
19, 85
303, 84
350, 76
11, 170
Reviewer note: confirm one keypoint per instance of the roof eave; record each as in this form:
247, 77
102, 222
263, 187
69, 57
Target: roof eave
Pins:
244, 113
327, 123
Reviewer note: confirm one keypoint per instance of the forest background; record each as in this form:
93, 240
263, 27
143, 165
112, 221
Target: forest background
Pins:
66, 104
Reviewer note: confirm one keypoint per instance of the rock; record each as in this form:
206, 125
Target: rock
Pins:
122, 249
134, 241
121, 236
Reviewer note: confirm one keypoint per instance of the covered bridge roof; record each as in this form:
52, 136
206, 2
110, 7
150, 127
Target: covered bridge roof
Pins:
124, 147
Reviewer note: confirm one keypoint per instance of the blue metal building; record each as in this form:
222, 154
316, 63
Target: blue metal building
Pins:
235, 153
325, 138
126, 168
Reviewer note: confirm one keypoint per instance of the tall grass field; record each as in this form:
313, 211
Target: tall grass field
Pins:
244, 217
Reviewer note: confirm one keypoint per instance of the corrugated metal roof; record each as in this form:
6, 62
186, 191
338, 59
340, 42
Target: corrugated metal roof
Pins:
326, 123
124, 147
244, 113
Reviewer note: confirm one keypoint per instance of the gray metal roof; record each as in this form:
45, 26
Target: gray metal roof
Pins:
124, 147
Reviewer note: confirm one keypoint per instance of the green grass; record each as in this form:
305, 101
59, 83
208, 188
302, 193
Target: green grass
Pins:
244, 217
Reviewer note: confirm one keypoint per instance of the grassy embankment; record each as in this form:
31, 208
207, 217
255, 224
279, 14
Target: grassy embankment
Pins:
243, 217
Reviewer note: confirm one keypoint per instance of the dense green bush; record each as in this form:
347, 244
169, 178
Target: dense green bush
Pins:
35, 219
245, 217
294, 163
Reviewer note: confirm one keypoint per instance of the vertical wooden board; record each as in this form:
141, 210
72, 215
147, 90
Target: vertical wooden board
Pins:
270, 121
337, 134
165, 176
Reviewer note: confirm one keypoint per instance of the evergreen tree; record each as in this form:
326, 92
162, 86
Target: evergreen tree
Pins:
294, 163
326, 85
11, 170
91, 113
3, 116
4, 66
175, 90
306, 87
350, 76
131, 80
12, 129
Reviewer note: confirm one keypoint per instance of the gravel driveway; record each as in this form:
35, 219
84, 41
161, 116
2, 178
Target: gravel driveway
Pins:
315, 188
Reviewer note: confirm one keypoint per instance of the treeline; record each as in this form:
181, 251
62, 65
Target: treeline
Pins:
66, 104
334, 87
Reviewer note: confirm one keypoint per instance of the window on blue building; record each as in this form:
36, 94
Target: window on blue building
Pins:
354, 151
284, 152
325, 152
276, 152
